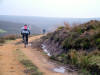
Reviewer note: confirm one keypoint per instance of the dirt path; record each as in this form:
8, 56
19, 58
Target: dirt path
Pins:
8, 62
11, 66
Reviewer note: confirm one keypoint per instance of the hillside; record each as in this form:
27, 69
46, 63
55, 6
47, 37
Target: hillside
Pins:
49, 23
77, 45
14, 28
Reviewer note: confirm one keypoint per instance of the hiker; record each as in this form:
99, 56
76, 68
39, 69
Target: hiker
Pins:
44, 31
25, 32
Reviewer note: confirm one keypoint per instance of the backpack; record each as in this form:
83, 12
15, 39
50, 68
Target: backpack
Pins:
25, 27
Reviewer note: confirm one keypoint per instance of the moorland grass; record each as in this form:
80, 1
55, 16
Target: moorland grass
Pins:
31, 69
80, 45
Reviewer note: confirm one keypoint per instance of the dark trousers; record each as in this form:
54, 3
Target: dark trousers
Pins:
26, 37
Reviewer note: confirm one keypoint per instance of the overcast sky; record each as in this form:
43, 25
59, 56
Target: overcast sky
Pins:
51, 8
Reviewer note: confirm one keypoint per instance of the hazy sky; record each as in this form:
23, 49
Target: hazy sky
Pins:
51, 8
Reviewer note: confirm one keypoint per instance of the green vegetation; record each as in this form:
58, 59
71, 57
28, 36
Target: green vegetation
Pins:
84, 36
2, 31
31, 69
2, 40
9, 37
88, 63
80, 45
60, 28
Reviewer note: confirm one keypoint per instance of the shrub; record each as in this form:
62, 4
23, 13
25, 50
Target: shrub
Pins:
98, 41
97, 35
60, 28
73, 57
63, 58
80, 30
53, 57
94, 69
2, 40
84, 72
82, 43
10, 37
66, 44
95, 53
67, 26
78, 43
84, 61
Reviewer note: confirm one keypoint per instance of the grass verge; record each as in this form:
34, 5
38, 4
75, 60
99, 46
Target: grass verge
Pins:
31, 69
7, 38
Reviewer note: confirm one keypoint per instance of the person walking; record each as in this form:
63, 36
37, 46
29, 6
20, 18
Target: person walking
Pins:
44, 31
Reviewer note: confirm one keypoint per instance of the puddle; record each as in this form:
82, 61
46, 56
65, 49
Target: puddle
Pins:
29, 44
45, 50
60, 70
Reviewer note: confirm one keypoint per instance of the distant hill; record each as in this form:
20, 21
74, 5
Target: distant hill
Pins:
14, 28
44, 22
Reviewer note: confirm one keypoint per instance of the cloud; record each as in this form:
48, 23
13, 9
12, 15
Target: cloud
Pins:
51, 8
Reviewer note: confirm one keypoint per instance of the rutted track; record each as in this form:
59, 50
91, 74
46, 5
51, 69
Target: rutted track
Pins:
11, 66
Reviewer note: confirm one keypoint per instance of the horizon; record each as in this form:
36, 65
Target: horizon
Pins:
50, 17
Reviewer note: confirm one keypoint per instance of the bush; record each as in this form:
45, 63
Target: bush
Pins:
66, 44
10, 37
84, 72
79, 43
53, 57
84, 61
63, 58
95, 53
73, 57
80, 30
94, 69
67, 26
2, 40
98, 41
60, 28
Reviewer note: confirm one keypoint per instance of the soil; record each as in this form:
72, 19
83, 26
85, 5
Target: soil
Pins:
9, 65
